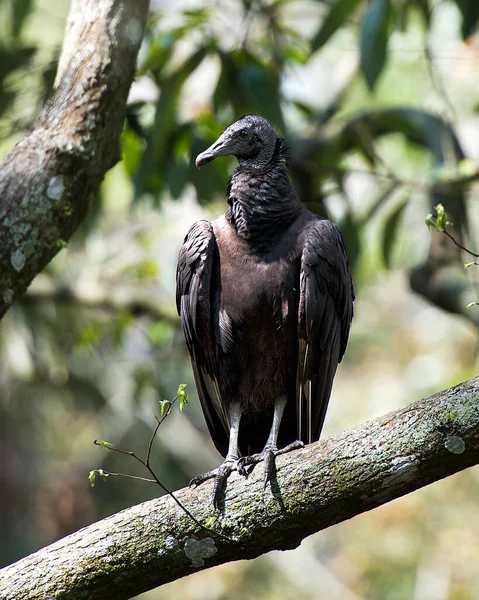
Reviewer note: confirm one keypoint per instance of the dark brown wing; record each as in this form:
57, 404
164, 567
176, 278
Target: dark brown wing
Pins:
324, 319
196, 301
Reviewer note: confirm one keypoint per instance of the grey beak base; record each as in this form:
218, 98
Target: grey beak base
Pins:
222, 147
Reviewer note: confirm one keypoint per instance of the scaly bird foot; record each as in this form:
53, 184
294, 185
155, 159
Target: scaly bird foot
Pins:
269, 455
220, 476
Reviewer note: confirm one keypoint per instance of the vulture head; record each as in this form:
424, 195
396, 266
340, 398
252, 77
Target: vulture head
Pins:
251, 139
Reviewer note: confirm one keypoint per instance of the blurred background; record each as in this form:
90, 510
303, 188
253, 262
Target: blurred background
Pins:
379, 102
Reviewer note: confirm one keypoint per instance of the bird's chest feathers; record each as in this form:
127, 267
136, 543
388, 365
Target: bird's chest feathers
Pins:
258, 289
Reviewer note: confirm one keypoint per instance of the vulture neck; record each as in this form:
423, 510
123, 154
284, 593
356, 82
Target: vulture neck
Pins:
262, 204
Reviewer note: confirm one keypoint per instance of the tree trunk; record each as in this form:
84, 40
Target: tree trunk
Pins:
327, 482
48, 181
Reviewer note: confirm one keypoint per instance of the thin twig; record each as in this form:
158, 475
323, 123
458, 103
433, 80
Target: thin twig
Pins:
159, 422
110, 447
460, 245
129, 476
146, 464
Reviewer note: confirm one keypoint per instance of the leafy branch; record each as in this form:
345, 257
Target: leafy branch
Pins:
165, 408
439, 220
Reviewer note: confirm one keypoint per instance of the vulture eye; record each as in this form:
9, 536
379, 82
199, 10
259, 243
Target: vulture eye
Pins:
244, 135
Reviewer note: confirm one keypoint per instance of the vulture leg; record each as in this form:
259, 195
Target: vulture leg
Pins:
270, 451
221, 474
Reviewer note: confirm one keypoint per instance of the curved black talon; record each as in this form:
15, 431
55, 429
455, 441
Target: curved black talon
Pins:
240, 466
199, 479
248, 461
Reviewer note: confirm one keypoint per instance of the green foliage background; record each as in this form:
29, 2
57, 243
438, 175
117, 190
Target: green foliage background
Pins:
378, 101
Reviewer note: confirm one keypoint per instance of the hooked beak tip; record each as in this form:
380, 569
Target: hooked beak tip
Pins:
203, 159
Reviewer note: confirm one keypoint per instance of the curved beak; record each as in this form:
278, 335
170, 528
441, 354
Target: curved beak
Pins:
222, 147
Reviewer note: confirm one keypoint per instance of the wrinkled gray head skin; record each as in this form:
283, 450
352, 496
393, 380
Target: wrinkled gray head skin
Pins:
251, 139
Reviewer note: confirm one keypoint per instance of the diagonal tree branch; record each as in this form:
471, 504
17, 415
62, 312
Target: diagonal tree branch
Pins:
327, 482
48, 180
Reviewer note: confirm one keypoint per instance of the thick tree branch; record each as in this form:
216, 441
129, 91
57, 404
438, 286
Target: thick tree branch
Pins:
327, 482
48, 180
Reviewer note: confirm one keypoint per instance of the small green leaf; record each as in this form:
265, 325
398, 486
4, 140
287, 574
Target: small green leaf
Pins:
92, 475
102, 474
467, 265
429, 220
374, 40
182, 396
441, 217
472, 304
164, 406
105, 445
91, 478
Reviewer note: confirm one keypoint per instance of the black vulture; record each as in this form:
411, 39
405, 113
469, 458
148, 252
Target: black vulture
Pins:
265, 297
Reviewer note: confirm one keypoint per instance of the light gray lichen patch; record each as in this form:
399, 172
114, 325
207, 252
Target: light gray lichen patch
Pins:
17, 259
56, 187
455, 444
133, 31
198, 550
401, 470
170, 543
403, 462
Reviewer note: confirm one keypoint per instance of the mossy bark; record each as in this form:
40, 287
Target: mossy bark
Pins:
49, 179
327, 482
